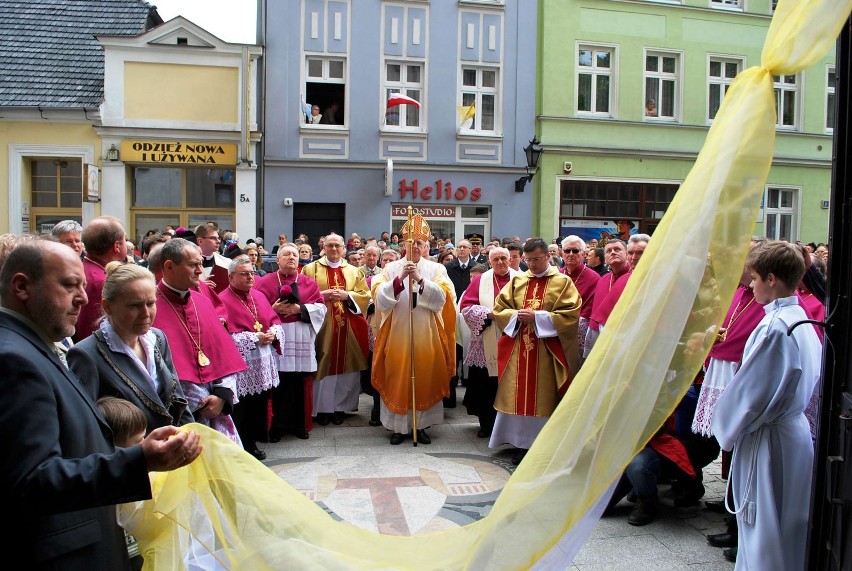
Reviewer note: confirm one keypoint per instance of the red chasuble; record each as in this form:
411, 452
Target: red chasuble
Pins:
341, 320
191, 324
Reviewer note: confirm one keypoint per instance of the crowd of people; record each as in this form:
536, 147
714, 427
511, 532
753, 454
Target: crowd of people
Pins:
191, 328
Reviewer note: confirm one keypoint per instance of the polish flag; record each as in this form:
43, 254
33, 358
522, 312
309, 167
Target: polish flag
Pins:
395, 99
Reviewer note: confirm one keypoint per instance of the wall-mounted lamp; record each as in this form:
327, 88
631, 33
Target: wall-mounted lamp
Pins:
112, 154
533, 153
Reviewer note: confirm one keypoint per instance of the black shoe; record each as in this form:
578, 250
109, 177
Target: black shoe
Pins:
519, 455
643, 512
422, 437
337, 418
484, 433
274, 436
396, 438
716, 507
374, 418
730, 553
323, 419
301, 434
258, 453
726, 539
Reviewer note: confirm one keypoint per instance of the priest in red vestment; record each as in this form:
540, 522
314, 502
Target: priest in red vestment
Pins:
256, 330
106, 241
204, 354
342, 344
298, 302
537, 356
476, 307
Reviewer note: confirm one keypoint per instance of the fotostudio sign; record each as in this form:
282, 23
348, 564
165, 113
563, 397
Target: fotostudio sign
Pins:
179, 153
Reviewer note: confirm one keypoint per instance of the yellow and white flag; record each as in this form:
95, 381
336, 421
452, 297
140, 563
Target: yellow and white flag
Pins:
465, 116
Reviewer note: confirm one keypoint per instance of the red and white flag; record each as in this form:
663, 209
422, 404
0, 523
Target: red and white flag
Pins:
395, 99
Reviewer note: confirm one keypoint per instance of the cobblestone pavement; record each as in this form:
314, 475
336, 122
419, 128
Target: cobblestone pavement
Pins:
353, 472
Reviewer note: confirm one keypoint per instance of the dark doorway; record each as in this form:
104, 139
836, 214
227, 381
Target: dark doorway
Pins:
831, 531
317, 219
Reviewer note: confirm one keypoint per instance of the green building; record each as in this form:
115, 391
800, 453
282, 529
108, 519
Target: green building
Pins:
627, 90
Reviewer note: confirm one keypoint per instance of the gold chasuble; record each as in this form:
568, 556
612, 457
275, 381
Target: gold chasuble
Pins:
434, 338
342, 343
535, 372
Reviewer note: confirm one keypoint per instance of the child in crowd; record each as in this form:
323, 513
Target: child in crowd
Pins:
760, 414
128, 424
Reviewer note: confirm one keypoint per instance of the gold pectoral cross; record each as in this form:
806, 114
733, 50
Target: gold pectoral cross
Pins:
258, 327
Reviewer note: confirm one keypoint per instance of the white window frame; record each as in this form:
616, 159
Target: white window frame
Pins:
783, 89
594, 71
830, 94
326, 78
723, 81
403, 86
661, 76
478, 91
734, 5
792, 211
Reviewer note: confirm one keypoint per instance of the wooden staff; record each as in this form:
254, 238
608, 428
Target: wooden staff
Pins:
409, 254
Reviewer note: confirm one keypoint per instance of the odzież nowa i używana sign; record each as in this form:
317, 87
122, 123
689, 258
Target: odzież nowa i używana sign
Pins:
179, 152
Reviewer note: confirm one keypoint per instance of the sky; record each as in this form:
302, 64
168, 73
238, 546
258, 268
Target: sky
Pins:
230, 20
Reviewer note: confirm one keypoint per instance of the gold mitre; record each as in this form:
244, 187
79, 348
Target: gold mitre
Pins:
417, 228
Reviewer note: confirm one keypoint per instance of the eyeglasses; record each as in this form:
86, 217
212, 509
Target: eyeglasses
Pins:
327, 245
245, 274
217, 238
535, 260
571, 250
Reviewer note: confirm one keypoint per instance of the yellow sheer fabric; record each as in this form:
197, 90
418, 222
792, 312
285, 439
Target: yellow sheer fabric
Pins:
643, 363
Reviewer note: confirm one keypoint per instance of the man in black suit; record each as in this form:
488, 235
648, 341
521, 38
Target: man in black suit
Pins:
459, 269
62, 475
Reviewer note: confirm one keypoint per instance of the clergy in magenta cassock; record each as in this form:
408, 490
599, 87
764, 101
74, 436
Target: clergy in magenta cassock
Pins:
476, 307
615, 254
203, 352
434, 343
256, 330
297, 300
585, 279
342, 344
538, 312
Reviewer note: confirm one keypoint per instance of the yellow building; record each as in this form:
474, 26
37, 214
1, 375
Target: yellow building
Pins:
108, 110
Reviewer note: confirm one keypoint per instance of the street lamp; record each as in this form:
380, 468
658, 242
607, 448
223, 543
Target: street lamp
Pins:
112, 153
533, 153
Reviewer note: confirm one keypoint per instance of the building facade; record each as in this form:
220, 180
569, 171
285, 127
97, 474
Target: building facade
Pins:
470, 65
51, 90
180, 108
626, 103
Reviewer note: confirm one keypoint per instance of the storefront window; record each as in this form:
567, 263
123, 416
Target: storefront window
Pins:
593, 208
57, 191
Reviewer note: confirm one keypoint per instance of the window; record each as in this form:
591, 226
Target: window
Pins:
407, 79
594, 80
722, 71
57, 183
831, 77
661, 85
325, 86
786, 89
479, 88
727, 3
780, 214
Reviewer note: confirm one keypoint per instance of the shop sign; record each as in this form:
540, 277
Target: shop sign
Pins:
179, 153
425, 211
441, 190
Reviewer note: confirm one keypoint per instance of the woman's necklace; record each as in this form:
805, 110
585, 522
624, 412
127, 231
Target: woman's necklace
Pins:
202, 358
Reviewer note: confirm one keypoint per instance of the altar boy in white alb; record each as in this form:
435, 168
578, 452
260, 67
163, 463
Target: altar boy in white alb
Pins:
761, 416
